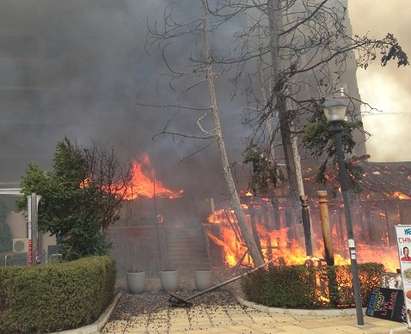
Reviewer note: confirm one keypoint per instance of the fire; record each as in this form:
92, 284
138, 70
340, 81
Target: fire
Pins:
401, 196
274, 244
85, 183
143, 183
277, 243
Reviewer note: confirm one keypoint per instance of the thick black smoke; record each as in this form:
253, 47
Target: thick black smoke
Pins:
79, 69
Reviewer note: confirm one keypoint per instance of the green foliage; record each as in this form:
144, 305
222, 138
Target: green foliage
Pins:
319, 139
266, 175
77, 203
296, 286
284, 286
55, 297
320, 142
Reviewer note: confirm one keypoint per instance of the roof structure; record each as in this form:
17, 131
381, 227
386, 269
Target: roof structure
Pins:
392, 178
380, 181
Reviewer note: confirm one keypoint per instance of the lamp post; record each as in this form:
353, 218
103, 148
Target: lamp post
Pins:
335, 111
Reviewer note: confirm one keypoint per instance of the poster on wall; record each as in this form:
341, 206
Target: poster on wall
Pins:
403, 233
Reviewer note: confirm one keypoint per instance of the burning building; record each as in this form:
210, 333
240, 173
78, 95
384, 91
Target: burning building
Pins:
70, 68
385, 201
161, 228
158, 229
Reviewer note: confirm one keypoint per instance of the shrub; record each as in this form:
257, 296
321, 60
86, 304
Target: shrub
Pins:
370, 278
81, 195
281, 286
310, 287
55, 297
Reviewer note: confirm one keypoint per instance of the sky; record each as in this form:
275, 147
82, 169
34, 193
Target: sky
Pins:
389, 88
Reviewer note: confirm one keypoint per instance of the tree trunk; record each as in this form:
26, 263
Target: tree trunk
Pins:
289, 140
265, 92
278, 102
247, 235
253, 222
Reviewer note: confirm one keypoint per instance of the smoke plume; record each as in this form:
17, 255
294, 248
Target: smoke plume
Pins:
386, 89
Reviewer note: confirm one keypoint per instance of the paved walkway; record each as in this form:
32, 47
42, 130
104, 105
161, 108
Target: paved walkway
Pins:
221, 314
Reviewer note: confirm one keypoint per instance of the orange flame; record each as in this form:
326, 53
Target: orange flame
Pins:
276, 244
85, 183
401, 196
143, 183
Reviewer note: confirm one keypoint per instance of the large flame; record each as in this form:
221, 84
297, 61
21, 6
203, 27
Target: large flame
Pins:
276, 244
143, 183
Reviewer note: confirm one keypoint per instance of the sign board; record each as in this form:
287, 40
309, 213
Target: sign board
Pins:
387, 304
403, 233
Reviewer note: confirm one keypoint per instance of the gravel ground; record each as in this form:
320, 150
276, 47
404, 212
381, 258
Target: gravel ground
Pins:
219, 313
151, 313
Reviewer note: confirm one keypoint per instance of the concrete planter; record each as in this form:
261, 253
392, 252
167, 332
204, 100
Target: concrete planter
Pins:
298, 312
203, 279
135, 282
169, 280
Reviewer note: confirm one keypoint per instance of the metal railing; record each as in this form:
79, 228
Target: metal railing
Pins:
13, 260
20, 260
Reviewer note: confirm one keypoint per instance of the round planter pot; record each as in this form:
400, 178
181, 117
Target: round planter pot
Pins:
203, 279
135, 282
168, 280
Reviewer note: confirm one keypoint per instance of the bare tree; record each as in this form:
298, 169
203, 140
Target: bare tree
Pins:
110, 180
250, 240
302, 51
205, 66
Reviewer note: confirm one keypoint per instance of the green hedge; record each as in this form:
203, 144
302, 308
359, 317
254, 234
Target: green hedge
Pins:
310, 287
55, 297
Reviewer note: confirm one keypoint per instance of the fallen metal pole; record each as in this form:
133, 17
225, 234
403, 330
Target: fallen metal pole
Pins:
177, 301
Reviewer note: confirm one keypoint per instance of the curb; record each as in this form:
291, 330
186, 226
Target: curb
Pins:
277, 310
98, 325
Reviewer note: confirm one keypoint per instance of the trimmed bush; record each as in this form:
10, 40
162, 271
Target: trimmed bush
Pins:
310, 287
55, 297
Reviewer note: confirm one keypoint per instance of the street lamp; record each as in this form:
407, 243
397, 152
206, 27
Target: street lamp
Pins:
335, 110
